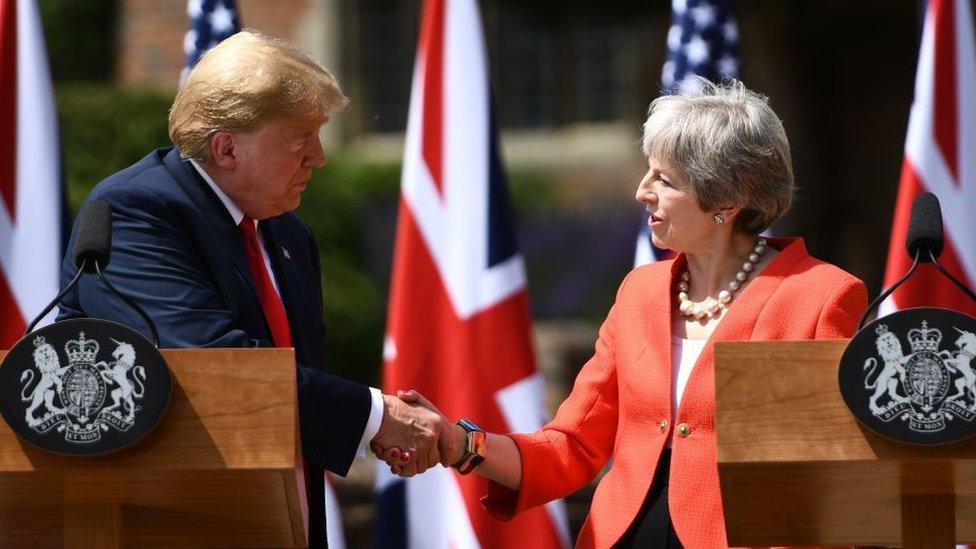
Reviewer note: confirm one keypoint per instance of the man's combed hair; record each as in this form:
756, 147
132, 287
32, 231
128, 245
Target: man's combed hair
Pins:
730, 146
243, 82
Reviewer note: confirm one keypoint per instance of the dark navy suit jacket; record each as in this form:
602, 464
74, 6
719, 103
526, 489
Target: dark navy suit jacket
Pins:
177, 252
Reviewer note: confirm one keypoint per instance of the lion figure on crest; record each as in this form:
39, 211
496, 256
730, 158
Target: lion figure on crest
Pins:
889, 348
49, 365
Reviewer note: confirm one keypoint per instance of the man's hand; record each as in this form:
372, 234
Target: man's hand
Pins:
450, 443
408, 436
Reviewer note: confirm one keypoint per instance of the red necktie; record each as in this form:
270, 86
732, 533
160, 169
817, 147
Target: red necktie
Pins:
274, 310
274, 313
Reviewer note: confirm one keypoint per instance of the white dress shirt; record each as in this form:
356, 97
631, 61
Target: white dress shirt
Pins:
376, 397
684, 355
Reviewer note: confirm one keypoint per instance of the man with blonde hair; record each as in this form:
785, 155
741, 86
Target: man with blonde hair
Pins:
205, 241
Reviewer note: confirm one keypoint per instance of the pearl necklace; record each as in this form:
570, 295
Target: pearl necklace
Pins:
712, 307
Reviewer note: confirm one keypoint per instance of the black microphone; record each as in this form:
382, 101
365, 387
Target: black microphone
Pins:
93, 238
924, 243
925, 238
93, 249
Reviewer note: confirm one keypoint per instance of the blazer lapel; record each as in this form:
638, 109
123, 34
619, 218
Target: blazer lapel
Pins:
740, 320
658, 330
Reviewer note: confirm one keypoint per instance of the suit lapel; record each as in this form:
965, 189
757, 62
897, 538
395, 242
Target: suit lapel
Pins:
224, 242
213, 210
276, 243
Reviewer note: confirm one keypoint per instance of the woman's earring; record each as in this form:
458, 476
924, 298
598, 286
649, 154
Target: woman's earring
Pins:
719, 219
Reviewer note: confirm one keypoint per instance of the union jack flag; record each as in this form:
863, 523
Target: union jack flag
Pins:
458, 326
31, 191
938, 158
703, 40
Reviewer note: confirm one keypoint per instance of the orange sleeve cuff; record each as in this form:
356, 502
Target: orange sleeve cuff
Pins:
504, 503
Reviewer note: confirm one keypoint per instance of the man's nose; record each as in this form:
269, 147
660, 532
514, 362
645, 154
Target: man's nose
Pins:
316, 155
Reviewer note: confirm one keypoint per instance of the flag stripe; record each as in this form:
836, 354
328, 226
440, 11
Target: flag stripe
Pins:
13, 324
31, 221
433, 62
945, 84
8, 106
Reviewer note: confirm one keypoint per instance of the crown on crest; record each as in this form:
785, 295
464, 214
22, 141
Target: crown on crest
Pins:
81, 349
924, 338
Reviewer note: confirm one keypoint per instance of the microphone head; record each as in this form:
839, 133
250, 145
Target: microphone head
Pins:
925, 228
93, 235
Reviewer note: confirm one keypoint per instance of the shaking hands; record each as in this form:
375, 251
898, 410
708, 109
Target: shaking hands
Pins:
415, 435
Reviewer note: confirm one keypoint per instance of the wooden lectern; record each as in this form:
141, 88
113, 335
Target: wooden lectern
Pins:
220, 469
796, 468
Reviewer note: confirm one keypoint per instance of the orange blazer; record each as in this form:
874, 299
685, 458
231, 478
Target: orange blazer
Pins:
622, 397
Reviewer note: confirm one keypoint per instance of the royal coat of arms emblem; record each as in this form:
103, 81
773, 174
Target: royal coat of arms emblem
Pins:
928, 386
72, 399
84, 386
928, 391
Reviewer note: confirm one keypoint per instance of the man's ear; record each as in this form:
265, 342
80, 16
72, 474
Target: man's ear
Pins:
222, 150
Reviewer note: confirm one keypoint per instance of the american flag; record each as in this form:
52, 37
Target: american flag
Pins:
703, 40
210, 22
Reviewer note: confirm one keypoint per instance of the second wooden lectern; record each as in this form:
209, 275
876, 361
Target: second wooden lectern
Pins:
220, 470
796, 468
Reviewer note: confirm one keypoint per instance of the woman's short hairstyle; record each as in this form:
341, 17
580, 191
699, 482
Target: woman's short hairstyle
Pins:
730, 146
248, 79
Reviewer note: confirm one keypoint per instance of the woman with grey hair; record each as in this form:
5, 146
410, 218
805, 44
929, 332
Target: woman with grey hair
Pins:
718, 174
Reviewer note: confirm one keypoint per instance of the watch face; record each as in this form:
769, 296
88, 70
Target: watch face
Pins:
478, 443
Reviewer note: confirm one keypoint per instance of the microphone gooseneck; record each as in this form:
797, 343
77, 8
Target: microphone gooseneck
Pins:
92, 251
924, 243
886, 293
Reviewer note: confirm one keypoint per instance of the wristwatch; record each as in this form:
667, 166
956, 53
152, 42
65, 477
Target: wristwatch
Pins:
475, 447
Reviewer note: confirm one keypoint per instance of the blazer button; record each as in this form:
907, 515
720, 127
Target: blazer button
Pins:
683, 430
663, 425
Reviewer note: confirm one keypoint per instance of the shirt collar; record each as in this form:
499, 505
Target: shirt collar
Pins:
236, 214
